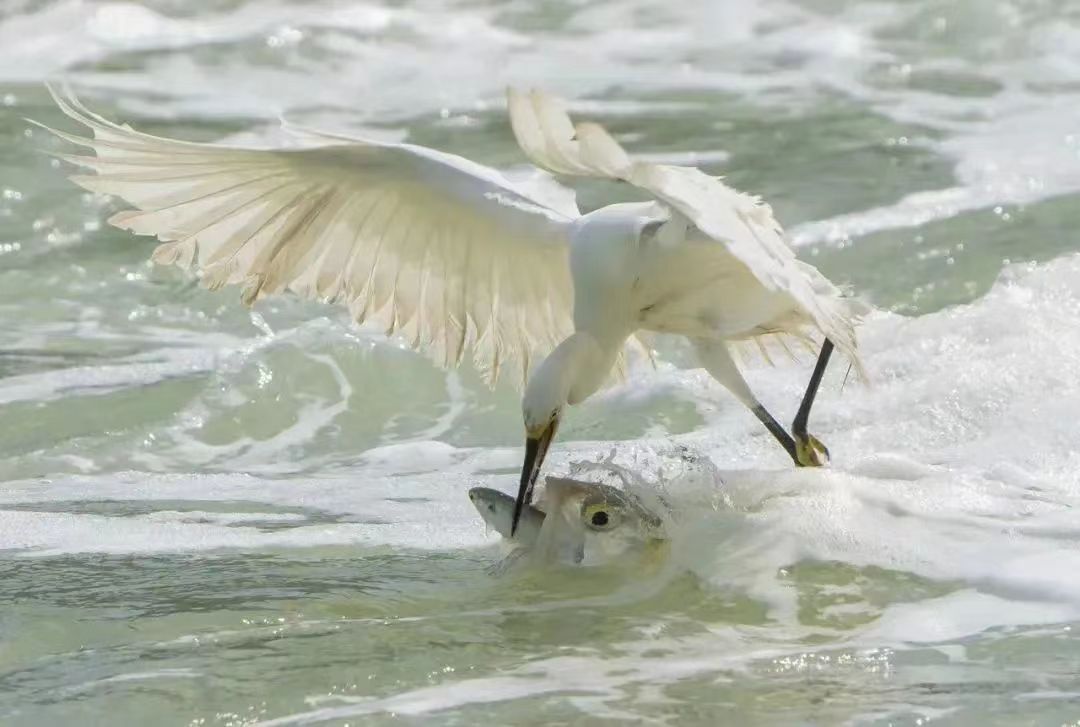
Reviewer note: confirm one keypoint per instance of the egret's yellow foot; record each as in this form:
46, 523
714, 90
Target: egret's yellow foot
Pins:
810, 451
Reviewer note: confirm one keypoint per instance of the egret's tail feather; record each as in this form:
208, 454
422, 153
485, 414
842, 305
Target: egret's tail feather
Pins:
843, 315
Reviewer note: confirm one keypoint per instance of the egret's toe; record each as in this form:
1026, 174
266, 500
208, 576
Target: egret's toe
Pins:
811, 452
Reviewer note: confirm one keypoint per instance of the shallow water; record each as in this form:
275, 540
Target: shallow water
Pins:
211, 516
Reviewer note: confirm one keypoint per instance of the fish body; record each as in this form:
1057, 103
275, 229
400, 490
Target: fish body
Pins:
497, 510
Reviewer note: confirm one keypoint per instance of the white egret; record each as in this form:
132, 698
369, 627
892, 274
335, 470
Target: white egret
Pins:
457, 257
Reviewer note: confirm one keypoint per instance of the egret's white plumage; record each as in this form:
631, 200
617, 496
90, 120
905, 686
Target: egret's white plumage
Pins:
457, 257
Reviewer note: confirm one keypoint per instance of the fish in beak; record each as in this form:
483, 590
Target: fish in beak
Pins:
536, 448
496, 509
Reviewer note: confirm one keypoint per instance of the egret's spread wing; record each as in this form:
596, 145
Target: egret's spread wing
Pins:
744, 226
447, 252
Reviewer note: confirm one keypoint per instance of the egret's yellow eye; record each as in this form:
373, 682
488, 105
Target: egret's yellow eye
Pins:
599, 516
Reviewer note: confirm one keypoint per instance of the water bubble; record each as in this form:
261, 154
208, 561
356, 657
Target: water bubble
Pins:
287, 36
903, 70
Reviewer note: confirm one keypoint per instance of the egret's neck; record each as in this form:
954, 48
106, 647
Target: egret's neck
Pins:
591, 359
571, 373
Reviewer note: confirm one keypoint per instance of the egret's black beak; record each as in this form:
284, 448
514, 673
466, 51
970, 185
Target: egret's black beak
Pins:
536, 449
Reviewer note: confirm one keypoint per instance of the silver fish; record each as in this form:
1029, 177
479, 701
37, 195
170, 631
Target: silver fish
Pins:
497, 510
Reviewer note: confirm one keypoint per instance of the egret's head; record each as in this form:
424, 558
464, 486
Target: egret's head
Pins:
570, 374
542, 407
543, 402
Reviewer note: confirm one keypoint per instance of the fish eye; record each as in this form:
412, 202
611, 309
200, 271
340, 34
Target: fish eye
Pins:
599, 516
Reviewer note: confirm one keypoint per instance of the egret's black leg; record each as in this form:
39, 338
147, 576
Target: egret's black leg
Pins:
807, 446
716, 358
778, 431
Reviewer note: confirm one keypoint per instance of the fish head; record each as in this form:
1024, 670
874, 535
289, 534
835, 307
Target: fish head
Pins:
497, 510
